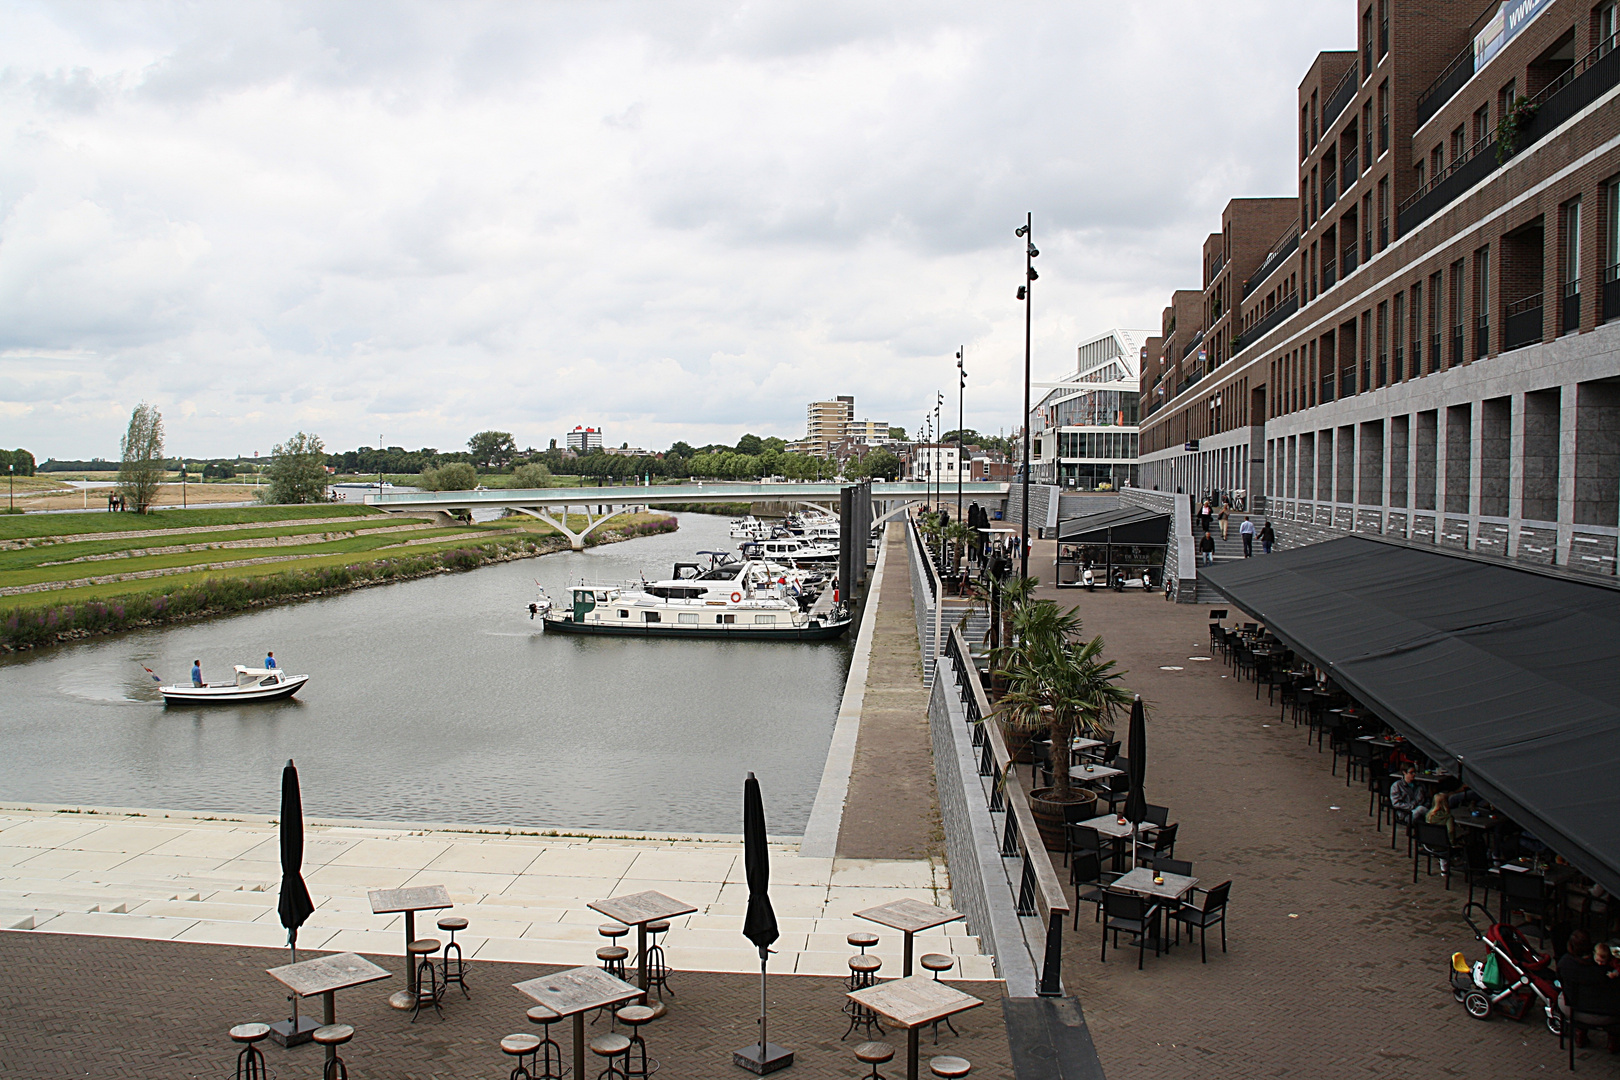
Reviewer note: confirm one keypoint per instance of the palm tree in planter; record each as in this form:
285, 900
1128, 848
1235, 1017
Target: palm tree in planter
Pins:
1059, 687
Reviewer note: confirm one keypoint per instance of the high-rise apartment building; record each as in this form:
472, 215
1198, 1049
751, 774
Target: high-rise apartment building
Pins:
828, 423
582, 440
1430, 349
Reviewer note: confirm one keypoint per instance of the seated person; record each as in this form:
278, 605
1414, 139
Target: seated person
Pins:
1406, 795
1440, 814
1587, 987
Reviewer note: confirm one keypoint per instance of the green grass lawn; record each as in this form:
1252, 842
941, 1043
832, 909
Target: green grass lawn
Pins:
29, 526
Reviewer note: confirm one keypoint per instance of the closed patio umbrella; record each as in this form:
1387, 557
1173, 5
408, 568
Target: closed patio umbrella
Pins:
759, 926
295, 905
1136, 801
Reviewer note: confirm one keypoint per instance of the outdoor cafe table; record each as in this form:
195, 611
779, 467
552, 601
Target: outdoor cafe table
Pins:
326, 975
1095, 772
637, 910
909, 916
912, 1003
410, 901
1140, 881
576, 992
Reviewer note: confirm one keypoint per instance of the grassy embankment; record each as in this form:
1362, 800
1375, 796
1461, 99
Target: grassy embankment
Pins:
72, 575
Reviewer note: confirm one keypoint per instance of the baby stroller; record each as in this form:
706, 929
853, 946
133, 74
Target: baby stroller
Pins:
1510, 978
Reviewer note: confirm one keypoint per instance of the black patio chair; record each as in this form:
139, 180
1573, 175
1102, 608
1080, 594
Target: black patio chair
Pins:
1302, 702
1158, 815
1358, 759
1173, 866
1478, 867
1585, 1009
1119, 789
1433, 842
1211, 912
1090, 882
1161, 843
1133, 914
1526, 894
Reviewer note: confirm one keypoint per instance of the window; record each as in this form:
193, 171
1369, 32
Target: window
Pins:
1505, 97
1397, 332
1383, 30
1314, 189
1482, 122
1366, 43
1482, 302
1366, 227
1366, 350
1366, 136
1458, 269
764, 620
623, 614
1572, 246
1418, 169
1435, 323
1458, 144
689, 618
1437, 160
651, 616
1383, 212
1383, 344
1604, 29
1383, 116
724, 619
1417, 328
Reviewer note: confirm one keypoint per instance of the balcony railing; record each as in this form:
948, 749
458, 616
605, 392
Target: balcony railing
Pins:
1287, 244
1611, 293
1398, 370
1193, 344
1328, 277
1349, 260
1349, 170
1457, 73
1570, 308
1327, 389
1330, 190
1274, 318
1583, 83
1341, 95
1482, 334
1522, 322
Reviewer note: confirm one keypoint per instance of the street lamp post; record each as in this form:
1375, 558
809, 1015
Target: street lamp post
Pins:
11, 485
939, 450
1025, 293
961, 386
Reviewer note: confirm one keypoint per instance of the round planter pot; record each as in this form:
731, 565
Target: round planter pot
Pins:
1050, 814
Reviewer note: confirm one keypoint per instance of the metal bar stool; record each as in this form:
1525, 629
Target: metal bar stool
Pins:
657, 969
455, 972
428, 987
516, 1046
636, 1062
612, 1047
874, 1054
547, 1063
938, 962
250, 1060
613, 958
333, 1036
949, 1068
863, 970
863, 940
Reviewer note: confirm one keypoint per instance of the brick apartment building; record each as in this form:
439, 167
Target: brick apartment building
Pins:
1430, 346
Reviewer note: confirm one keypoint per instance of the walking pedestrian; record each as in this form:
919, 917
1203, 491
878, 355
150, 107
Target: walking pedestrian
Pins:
1207, 546
1246, 531
1222, 516
1268, 536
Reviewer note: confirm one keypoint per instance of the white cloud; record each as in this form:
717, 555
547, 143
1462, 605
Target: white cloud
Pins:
672, 220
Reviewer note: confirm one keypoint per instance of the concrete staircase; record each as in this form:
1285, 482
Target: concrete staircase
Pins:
1228, 550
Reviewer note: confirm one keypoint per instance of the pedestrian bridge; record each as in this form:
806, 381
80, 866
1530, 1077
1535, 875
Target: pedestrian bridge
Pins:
599, 504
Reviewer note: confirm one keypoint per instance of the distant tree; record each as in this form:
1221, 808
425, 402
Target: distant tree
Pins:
21, 462
140, 469
530, 475
898, 433
773, 443
298, 471
218, 470
492, 449
969, 437
880, 464
452, 476
681, 449
750, 445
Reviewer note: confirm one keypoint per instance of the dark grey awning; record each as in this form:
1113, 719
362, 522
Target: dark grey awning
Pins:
1126, 525
1509, 676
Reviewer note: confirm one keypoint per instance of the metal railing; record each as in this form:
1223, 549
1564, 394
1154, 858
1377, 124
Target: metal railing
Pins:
1040, 890
1457, 73
1487, 141
1286, 245
1341, 95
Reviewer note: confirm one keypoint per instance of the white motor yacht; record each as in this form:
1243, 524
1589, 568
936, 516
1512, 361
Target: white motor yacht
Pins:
251, 684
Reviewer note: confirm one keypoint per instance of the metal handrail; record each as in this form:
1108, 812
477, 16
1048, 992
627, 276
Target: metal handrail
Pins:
1332, 105
1464, 57
1040, 890
1487, 140
1569, 75
1519, 307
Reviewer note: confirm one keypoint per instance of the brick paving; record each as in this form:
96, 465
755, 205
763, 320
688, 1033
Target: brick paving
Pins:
77, 1006
891, 811
1337, 960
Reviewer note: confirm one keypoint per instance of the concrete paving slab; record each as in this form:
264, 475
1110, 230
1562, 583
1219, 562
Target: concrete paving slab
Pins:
469, 885
355, 878
692, 866
175, 866
49, 831
72, 859
883, 873
113, 925
583, 861
218, 844
490, 857
537, 951
181, 909
128, 839
391, 853
258, 935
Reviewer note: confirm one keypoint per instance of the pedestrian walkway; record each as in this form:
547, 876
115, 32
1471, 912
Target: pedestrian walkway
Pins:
186, 877
891, 811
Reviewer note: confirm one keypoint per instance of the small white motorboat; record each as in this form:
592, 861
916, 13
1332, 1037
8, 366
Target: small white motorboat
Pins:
252, 684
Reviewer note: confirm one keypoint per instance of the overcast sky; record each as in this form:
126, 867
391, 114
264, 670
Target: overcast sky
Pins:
672, 220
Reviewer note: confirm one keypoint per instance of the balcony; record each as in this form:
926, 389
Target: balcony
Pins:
1328, 278
1349, 170
1583, 83
1570, 308
1611, 293
1349, 260
1275, 318
1451, 80
1278, 256
1341, 95
1193, 344
1482, 330
1330, 190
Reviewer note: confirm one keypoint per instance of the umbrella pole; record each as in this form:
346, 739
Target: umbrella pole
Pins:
292, 999
764, 954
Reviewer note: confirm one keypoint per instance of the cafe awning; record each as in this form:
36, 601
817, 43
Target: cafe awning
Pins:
1124, 525
1509, 677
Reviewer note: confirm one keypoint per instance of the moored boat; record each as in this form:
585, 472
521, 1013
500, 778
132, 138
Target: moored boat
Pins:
746, 613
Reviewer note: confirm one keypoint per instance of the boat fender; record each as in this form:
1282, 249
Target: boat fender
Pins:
736, 597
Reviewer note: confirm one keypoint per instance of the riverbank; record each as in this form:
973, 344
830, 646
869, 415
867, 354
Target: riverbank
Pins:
198, 584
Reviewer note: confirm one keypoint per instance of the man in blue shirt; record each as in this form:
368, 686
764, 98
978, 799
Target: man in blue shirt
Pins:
196, 673
270, 660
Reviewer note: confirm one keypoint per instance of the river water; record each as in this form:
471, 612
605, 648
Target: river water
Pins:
439, 700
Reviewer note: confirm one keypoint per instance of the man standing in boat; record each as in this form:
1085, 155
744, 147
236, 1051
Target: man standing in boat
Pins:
270, 661
196, 673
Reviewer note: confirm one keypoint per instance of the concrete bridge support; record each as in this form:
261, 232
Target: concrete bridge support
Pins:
576, 540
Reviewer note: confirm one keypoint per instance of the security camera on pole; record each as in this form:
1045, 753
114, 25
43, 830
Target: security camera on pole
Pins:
1025, 292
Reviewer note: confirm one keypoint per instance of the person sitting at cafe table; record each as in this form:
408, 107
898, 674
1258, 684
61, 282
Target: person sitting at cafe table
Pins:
1587, 986
1440, 814
1406, 795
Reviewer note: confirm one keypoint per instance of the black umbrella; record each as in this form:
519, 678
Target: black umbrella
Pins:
759, 926
1136, 800
294, 906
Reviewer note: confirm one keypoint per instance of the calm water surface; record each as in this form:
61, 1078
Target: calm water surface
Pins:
439, 700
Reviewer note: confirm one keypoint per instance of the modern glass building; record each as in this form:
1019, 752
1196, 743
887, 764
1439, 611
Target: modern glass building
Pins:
1083, 431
